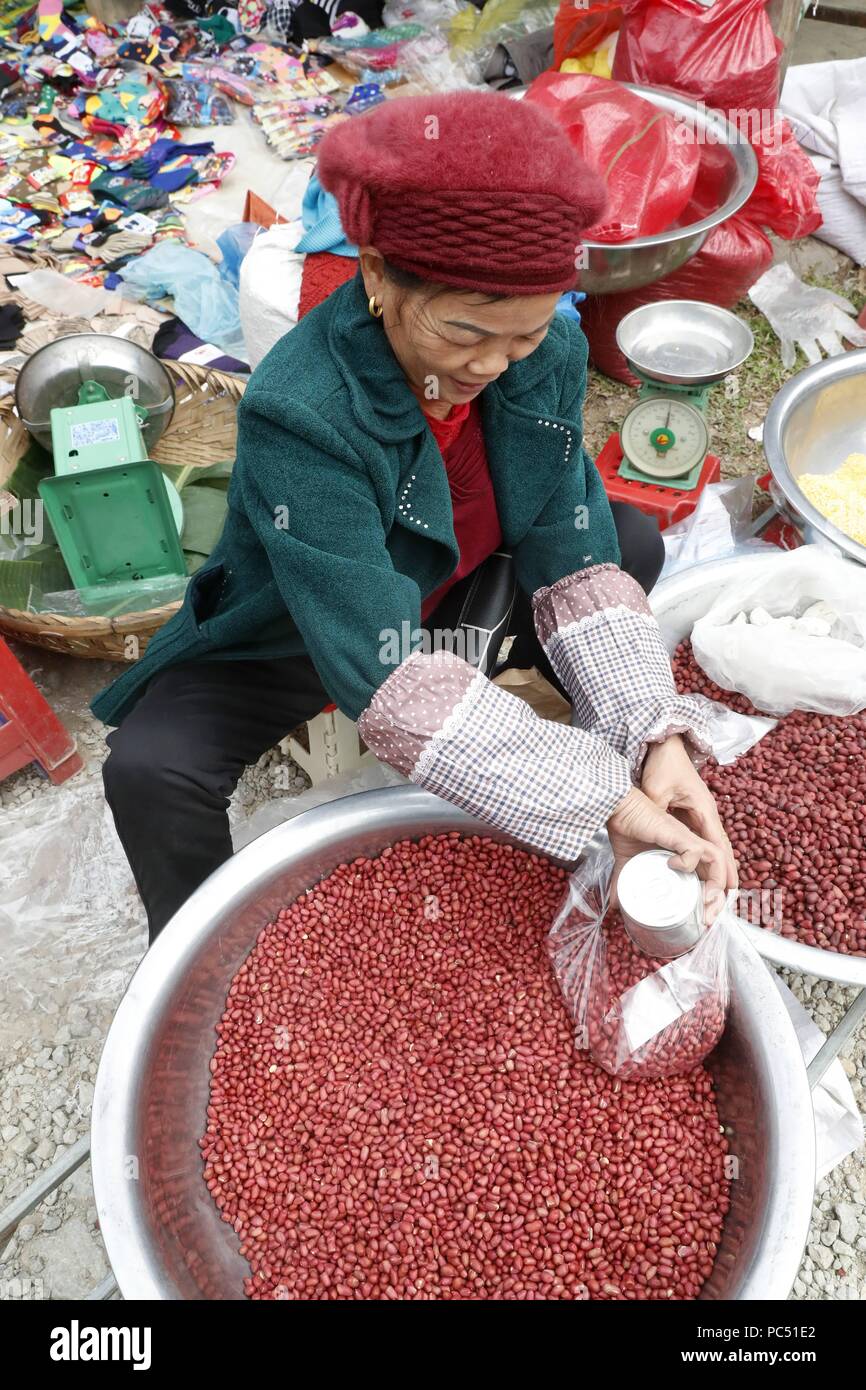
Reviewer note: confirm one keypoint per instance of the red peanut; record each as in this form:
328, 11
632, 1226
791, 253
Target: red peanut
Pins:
397, 1109
794, 808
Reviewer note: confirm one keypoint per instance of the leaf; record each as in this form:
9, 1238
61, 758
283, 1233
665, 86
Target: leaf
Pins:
34, 465
204, 514
23, 582
189, 475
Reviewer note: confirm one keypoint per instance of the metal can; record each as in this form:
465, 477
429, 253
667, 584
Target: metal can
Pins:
662, 908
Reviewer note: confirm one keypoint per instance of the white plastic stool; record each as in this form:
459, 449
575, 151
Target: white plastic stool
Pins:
334, 746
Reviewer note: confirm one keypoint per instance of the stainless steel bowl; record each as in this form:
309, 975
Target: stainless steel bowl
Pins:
632, 264
814, 422
678, 602
684, 341
163, 1234
52, 375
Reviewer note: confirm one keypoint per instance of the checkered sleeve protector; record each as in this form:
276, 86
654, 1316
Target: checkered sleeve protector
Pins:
602, 640
455, 733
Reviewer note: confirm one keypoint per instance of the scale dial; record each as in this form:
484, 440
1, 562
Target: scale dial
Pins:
664, 437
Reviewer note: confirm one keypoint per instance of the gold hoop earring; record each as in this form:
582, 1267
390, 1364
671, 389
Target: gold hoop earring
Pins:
375, 309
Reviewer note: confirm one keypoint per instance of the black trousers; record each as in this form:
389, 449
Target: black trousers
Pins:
176, 759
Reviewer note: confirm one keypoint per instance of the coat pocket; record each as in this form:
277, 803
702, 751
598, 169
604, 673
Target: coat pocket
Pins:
204, 592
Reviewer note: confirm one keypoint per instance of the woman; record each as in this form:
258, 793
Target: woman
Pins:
425, 416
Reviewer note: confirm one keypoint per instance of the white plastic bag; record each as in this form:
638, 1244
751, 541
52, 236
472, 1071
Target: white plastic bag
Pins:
779, 669
718, 528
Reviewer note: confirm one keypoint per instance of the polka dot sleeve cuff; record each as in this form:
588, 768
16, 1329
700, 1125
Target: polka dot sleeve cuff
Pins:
456, 734
602, 640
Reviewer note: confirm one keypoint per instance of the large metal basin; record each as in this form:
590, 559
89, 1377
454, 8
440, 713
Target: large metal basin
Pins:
678, 602
813, 424
162, 1232
643, 260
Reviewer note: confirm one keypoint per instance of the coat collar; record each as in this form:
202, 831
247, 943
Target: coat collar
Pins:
381, 399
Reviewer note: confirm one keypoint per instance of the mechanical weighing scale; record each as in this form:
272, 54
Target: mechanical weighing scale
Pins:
660, 460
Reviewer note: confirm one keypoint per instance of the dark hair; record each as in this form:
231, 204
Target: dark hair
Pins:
414, 284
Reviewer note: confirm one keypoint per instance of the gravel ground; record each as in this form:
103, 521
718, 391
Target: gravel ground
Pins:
54, 1015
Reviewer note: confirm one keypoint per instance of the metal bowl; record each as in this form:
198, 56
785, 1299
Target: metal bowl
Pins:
683, 341
631, 264
163, 1233
678, 602
814, 422
52, 375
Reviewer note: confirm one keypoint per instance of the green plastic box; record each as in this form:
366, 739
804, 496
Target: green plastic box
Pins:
113, 524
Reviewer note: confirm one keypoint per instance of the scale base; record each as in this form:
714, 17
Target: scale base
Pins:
686, 482
666, 503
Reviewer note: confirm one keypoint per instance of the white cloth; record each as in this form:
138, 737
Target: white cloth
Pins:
826, 106
270, 288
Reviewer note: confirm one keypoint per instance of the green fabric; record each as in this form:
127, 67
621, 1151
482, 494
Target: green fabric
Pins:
316, 555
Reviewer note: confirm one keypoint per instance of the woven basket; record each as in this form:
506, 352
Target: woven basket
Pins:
202, 431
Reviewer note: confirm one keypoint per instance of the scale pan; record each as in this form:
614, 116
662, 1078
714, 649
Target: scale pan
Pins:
683, 342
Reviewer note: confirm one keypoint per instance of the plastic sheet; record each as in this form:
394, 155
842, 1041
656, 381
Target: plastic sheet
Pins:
838, 1122
672, 1013
206, 303
726, 55
650, 174
112, 600
72, 926
781, 669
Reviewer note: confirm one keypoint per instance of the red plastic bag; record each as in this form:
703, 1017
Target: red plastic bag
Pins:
786, 194
733, 257
649, 172
726, 56
578, 31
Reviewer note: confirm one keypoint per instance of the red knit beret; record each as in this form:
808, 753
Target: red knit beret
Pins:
470, 189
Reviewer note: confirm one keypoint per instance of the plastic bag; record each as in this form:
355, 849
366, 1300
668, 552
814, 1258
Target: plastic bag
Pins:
781, 669
726, 56
203, 300
476, 32
717, 529
577, 31
733, 257
649, 172
637, 1016
785, 198
234, 243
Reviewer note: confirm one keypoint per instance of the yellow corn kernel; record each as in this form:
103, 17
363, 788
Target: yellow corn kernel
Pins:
840, 496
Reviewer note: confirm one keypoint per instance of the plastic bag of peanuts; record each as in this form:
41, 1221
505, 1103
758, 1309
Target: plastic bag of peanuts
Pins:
638, 1016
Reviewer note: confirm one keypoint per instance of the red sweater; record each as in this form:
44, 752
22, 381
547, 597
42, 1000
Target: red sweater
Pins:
476, 521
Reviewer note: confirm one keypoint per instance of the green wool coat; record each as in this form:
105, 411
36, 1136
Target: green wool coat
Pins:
339, 515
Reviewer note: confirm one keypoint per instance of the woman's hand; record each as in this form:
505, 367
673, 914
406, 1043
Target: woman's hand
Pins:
672, 781
639, 824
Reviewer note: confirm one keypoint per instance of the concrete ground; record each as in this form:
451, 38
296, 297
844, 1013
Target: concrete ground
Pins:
819, 42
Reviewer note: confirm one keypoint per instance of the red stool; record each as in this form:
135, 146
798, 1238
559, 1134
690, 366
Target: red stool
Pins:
666, 504
29, 729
